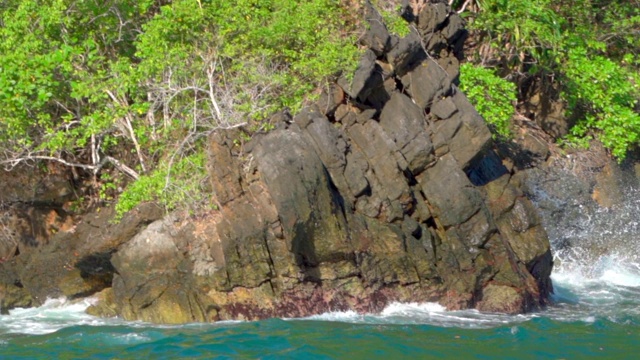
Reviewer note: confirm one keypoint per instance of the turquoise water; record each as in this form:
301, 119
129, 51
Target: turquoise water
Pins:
596, 314
592, 318
273, 339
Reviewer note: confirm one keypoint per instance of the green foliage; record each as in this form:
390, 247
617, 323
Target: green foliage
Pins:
82, 81
176, 186
515, 27
54, 70
268, 54
395, 23
610, 94
219, 63
493, 97
589, 49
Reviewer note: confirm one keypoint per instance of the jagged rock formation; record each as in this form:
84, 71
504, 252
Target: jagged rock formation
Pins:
386, 190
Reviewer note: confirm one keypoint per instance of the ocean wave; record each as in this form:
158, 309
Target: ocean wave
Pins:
53, 315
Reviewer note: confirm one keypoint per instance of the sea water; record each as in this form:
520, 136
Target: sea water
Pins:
595, 314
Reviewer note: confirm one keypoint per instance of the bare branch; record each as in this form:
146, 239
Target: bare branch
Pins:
210, 73
13, 162
120, 166
464, 6
127, 122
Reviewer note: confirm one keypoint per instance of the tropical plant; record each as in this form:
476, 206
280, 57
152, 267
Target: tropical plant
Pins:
493, 97
588, 49
128, 84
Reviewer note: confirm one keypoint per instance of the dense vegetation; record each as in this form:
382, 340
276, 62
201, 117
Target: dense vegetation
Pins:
136, 85
126, 91
586, 51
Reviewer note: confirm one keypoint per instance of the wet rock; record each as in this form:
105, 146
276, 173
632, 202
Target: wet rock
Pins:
501, 299
150, 282
608, 188
105, 305
12, 292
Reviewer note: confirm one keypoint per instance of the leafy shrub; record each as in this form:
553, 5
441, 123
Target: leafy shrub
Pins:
493, 97
589, 49
181, 185
82, 80
604, 88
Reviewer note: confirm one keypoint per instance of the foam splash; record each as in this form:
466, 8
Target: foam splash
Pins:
52, 316
622, 271
395, 309
427, 313
597, 264
339, 316
411, 309
608, 270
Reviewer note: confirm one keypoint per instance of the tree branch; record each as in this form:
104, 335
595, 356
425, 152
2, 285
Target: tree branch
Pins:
127, 122
12, 163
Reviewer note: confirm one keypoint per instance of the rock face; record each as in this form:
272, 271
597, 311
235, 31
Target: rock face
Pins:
386, 190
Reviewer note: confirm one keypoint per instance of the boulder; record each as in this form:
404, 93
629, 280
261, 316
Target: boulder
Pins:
407, 54
426, 83
404, 122
151, 281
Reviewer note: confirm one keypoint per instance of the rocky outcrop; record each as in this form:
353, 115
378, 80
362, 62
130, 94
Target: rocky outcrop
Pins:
74, 262
386, 190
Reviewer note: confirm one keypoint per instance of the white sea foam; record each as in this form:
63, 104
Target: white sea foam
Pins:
53, 315
412, 309
341, 316
597, 265
427, 313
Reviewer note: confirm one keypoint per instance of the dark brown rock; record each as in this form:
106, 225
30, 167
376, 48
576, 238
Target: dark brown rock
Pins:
70, 264
444, 108
405, 123
364, 77
473, 138
377, 37
12, 292
426, 83
450, 192
330, 99
431, 18
407, 54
